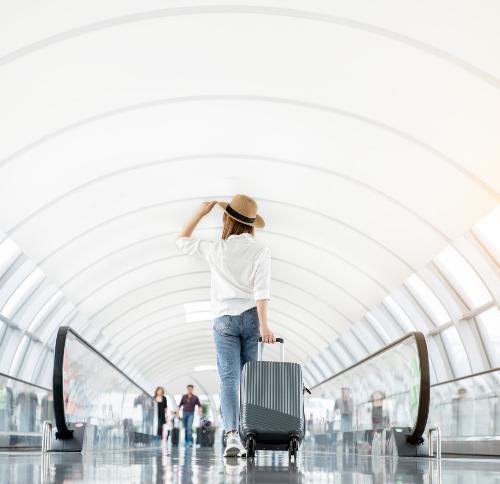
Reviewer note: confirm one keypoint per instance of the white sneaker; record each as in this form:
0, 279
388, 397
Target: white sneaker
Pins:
234, 447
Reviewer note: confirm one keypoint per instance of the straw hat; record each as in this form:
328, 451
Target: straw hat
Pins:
244, 210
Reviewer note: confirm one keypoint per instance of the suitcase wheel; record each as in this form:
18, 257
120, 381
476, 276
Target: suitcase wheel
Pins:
251, 447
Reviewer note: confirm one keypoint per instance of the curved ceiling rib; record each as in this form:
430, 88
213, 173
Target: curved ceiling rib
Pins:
286, 327
181, 357
263, 99
232, 157
184, 351
297, 339
290, 334
283, 261
310, 329
163, 295
158, 310
177, 291
164, 322
324, 278
190, 362
185, 372
44, 259
351, 175
219, 228
255, 10
137, 321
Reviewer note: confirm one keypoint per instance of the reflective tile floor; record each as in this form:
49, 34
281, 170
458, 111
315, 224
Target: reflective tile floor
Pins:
207, 466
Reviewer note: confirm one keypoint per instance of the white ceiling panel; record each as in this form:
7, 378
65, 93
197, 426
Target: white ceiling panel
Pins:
368, 134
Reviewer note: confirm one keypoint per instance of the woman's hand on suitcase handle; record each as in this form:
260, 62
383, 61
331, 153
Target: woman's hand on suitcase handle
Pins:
267, 335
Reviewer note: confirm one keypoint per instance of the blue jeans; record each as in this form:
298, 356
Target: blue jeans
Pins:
236, 342
187, 421
346, 423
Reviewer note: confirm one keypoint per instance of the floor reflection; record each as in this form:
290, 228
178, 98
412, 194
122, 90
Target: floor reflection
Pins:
186, 466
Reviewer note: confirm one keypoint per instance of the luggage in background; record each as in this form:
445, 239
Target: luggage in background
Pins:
175, 437
205, 437
272, 405
175, 433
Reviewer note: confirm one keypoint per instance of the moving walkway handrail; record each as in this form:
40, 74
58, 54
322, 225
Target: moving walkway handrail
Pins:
58, 383
418, 429
465, 377
24, 382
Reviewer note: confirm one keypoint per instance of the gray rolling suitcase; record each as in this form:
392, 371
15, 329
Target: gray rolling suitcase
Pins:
272, 405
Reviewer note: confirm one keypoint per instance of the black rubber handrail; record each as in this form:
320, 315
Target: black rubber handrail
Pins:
25, 382
454, 380
417, 431
58, 384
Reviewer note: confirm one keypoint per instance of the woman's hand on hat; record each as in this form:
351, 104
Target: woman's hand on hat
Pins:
206, 207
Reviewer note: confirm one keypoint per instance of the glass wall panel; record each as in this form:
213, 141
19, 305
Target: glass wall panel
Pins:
10, 344
47, 333
384, 328
321, 370
8, 253
463, 277
29, 361
345, 358
381, 392
413, 310
368, 336
44, 368
23, 408
428, 299
438, 371
488, 231
36, 301
44, 311
117, 413
377, 328
14, 281
398, 314
20, 353
489, 325
354, 346
335, 363
3, 330
314, 373
456, 352
329, 361
23, 291
468, 407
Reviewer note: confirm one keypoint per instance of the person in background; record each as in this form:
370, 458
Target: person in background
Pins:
379, 420
161, 409
462, 408
6, 407
344, 406
188, 403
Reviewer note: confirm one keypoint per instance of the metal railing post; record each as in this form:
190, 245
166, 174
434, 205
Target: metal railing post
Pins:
430, 433
46, 436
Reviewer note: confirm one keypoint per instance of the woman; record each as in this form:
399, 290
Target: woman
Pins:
160, 410
240, 279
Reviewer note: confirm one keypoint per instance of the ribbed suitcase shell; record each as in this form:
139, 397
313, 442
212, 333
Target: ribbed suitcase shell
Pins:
271, 403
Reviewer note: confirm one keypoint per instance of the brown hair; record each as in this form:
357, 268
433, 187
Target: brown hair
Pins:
162, 390
233, 227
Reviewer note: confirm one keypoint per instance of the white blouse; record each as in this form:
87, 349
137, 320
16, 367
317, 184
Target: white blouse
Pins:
240, 268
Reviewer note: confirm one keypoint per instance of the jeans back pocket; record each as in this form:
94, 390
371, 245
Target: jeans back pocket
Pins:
222, 324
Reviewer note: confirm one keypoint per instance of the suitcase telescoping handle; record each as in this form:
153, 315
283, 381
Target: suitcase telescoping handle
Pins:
261, 346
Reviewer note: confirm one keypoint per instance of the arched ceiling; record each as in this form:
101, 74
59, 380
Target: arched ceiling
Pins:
369, 135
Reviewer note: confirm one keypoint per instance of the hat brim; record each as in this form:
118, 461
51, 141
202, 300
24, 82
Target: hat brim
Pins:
259, 221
